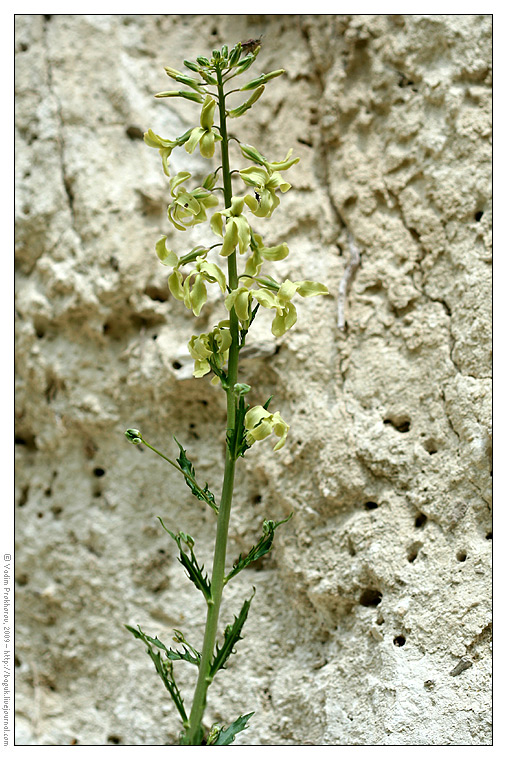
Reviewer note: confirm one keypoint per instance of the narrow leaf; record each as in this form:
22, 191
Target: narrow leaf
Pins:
203, 494
232, 635
189, 655
165, 671
261, 548
227, 735
189, 561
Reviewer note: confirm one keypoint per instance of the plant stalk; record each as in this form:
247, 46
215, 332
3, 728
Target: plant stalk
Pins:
194, 734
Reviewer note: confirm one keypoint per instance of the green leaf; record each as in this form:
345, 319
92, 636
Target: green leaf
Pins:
203, 494
189, 654
232, 635
189, 561
165, 671
261, 548
227, 735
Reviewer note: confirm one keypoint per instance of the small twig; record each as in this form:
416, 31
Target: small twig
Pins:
348, 276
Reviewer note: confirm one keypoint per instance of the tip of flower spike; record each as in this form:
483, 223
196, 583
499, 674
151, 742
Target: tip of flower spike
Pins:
134, 436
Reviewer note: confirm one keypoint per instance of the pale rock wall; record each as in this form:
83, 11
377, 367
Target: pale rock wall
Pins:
371, 620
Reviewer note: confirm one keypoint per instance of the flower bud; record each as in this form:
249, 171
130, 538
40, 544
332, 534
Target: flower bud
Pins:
134, 436
181, 94
241, 389
191, 65
235, 55
202, 60
252, 153
247, 104
273, 74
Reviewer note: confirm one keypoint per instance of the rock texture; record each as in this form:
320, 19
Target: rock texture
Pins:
371, 622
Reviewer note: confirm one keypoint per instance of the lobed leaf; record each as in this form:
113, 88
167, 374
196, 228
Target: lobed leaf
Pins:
189, 654
261, 548
165, 671
227, 735
203, 494
232, 635
189, 561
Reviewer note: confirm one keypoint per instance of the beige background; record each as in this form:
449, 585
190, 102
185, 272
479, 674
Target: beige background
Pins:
371, 621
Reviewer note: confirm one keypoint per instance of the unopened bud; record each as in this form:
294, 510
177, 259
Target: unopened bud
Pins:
235, 55
134, 436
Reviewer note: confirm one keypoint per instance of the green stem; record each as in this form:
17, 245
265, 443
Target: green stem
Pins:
194, 734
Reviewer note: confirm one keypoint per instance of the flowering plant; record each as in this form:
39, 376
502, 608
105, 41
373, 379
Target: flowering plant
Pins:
218, 351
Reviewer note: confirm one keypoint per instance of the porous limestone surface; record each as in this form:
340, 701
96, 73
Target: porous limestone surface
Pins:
371, 619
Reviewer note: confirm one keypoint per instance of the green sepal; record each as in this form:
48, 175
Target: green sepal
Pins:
232, 635
227, 735
181, 94
261, 548
203, 494
262, 79
184, 79
235, 55
245, 63
189, 561
240, 110
165, 671
191, 65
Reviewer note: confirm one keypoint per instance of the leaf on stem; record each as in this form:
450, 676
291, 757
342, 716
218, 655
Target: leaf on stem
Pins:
227, 735
189, 654
261, 548
232, 635
165, 670
203, 494
189, 561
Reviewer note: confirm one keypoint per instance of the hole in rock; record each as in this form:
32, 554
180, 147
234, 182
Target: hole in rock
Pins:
135, 133
370, 505
156, 294
27, 439
22, 579
399, 641
461, 556
99, 472
114, 739
413, 551
430, 446
40, 515
370, 597
401, 423
420, 520
17, 661
24, 496
57, 511
479, 215
177, 365
489, 535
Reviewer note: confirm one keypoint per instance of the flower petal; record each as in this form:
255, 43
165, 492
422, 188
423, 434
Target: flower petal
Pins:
307, 288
